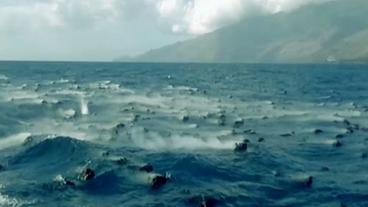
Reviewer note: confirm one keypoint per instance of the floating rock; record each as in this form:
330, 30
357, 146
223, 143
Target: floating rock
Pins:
241, 147
146, 168
87, 174
364, 155
318, 131
158, 181
2, 168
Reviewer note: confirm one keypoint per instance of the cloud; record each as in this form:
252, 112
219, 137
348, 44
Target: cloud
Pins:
202, 16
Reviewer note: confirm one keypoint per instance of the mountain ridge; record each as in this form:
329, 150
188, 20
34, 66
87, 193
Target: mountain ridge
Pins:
330, 32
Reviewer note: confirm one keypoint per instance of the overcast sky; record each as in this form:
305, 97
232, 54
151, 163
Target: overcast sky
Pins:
105, 29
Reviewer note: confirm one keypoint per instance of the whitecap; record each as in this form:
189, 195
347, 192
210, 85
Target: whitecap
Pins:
3, 77
13, 140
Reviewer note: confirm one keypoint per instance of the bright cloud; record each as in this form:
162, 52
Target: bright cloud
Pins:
182, 16
202, 16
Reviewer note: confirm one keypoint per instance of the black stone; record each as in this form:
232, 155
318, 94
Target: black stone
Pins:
318, 131
288, 134
69, 183
309, 182
185, 118
338, 143
241, 147
2, 168
120, 126
88, 174
261, 139
158, 181
209, 202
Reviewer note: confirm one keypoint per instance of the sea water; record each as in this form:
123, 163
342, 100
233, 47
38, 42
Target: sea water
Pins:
305, 126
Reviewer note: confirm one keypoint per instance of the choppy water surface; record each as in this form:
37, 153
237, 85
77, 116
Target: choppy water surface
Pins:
305, 128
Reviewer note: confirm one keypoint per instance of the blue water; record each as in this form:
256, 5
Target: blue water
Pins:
306, 128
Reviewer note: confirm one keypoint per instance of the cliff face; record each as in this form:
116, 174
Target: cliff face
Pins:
333, 31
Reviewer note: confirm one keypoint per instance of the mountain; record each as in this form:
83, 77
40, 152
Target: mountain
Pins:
318, 33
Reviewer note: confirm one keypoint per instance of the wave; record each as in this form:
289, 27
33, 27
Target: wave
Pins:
14, 140
156, 141
53, 151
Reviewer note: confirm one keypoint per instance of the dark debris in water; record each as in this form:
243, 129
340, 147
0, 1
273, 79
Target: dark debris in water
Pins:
158, 181
87, 174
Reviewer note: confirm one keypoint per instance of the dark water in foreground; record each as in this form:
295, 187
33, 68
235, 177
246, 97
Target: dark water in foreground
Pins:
306, 128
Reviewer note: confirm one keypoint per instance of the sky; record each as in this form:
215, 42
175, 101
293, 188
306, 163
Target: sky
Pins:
101, 30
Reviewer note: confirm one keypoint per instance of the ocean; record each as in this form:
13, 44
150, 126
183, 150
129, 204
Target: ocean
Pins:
201, 135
